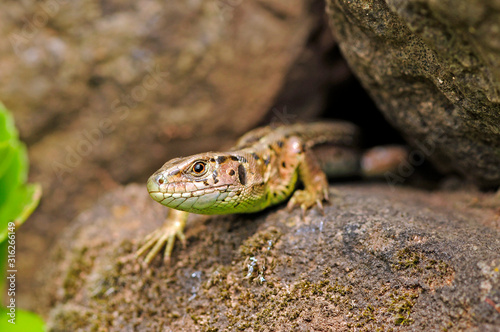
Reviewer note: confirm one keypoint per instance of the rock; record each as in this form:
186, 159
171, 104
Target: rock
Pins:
432, 67
380, 257
105, 92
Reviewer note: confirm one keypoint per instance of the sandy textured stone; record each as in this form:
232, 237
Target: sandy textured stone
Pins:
379, 259
433, 68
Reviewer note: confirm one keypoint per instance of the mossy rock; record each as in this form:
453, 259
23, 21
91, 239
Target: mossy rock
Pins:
433, 69
379, 259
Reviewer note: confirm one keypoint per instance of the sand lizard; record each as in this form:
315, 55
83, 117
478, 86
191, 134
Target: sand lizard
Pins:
260, 171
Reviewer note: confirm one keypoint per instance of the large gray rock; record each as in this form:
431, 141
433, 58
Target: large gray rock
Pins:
379, 259
433, 68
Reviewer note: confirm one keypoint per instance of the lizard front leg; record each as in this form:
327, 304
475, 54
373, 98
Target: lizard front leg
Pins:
165, 236
315, 184
300, 159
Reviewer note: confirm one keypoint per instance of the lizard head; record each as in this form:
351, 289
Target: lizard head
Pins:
207, 183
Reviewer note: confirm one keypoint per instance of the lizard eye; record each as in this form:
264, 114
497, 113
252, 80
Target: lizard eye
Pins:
199, 168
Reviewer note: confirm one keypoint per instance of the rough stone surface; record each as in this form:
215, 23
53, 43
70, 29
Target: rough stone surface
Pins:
379, 258
433, 68
105, 92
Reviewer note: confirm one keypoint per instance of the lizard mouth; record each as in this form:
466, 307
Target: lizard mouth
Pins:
159, 195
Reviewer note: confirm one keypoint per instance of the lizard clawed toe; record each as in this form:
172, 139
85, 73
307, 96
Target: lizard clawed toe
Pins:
164, 237
306, 200
326, 195
320, 207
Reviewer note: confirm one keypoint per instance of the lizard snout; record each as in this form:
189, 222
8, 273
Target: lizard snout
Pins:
154, 183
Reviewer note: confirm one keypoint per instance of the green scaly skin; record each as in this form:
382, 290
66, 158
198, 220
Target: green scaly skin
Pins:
260, 171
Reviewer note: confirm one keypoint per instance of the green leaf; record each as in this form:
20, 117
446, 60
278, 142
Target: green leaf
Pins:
25, 321
18, 207
17, 201
7, 151
15, 174
7, 127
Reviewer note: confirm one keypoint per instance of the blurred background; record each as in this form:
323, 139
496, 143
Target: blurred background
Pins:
104, 92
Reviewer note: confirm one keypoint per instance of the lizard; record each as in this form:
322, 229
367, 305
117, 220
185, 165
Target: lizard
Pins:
260, 171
